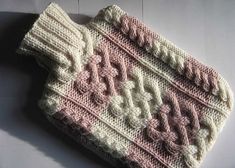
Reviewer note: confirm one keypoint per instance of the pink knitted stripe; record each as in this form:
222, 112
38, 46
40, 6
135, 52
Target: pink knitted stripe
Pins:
128, 22
101, 78
172, 129
201, 74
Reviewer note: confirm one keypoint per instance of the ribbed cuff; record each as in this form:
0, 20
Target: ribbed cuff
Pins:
58, 43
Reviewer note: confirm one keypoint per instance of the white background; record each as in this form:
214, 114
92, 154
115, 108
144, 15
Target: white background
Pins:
204, 28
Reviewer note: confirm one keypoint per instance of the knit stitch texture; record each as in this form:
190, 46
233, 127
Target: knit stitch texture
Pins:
125, 92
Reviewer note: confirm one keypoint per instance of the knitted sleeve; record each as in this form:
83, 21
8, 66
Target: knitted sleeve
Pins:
57, 43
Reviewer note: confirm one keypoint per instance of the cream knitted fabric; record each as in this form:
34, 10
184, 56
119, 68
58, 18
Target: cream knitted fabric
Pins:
126, 92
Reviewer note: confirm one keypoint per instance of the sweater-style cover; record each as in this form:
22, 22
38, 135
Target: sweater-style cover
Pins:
125, 92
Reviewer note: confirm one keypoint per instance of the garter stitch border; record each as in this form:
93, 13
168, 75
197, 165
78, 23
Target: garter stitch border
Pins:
106, 92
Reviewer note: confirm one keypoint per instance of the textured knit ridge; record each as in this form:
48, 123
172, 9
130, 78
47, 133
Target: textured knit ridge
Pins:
125, 92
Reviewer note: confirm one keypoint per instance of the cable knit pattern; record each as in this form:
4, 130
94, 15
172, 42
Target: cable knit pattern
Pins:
100, 66
125, 92
167, 52
175, 125
134, 92
169, 118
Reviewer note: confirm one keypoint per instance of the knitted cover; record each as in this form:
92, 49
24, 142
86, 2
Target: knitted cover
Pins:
126, 92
